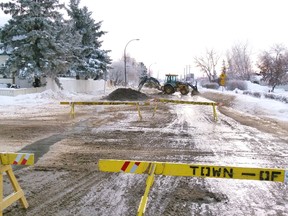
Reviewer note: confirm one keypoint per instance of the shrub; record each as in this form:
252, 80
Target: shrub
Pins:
236, 84
270, 96
211, 85
254, 94
276, 97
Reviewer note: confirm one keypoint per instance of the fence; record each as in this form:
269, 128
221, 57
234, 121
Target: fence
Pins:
21, 91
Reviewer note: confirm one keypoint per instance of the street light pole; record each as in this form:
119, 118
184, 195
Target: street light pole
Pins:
125, 60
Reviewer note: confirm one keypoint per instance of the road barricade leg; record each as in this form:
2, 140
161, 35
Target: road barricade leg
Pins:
215, 113
149, 183
139, 112
72, 112
6, 160
155, 109
18, 192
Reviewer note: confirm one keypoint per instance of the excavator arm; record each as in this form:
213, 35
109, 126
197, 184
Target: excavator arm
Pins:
149, 79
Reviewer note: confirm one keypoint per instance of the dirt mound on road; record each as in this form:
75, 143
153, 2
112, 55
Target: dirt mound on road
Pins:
126, 94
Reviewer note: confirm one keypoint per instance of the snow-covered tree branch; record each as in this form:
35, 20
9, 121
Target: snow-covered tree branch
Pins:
208, 63
239, 62
42, 43
274, 66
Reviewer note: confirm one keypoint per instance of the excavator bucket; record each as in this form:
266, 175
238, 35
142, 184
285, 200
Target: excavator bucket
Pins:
194, 89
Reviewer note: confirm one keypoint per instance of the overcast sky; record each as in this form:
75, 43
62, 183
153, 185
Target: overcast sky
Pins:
173, 32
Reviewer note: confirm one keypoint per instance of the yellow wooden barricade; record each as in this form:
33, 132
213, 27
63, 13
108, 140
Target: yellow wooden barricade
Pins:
213, 104
134, 103
137, 104
192, 170
8, 159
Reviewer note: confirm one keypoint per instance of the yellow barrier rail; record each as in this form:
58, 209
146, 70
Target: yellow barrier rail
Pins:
213, 104
189, 170
6, 160
138, 104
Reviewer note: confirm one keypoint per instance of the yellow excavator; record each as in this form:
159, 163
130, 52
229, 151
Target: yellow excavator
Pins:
171, 85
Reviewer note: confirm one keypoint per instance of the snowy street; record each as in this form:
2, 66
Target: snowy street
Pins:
65, 179
155, 108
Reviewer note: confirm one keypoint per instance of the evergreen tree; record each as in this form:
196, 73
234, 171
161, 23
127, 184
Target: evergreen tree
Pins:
91, 61
35, 36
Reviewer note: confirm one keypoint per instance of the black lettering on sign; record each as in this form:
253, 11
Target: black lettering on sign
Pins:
228, 172
203, 169
248, 174
267, 176
194, 169
208, 171
264, 175
275, 175
215, 172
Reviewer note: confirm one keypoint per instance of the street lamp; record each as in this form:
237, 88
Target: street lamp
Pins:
149, 69
125, 59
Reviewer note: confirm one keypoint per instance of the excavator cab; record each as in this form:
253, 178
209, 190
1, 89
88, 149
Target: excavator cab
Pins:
171, 83
172, 79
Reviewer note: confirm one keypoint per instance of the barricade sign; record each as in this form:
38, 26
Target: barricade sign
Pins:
6, 160
189, 170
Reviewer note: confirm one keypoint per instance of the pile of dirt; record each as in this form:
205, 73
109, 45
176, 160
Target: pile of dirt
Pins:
126, 94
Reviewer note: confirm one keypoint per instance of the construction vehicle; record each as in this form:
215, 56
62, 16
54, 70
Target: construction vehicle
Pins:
171, 85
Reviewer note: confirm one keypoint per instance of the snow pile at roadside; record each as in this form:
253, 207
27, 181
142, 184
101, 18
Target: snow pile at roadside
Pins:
263, 91
48, 96
262, 106
259, 105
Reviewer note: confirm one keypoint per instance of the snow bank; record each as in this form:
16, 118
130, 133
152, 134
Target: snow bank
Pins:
258, 101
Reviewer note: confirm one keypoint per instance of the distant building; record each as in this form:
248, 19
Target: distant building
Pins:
189, 77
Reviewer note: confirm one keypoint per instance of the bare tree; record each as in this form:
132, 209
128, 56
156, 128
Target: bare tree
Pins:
208, 63
239, 62
134, 71
116, 73
274, 66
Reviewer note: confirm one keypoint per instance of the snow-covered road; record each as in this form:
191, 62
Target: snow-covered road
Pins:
226, 143
66, 181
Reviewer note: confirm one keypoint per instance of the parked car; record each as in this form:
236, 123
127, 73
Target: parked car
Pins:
256, 78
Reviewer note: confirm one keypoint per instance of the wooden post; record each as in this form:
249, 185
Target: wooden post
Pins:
149, 183
139, 113
214, 112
